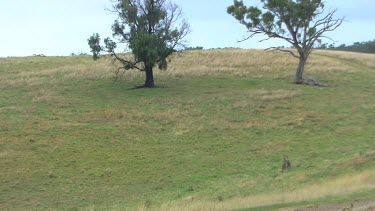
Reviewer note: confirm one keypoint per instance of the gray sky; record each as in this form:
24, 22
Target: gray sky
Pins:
61, 27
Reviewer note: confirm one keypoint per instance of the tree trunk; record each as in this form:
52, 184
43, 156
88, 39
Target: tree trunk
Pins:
149, 77
301, 68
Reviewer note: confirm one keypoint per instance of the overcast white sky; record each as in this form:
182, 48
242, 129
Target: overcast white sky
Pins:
61, 27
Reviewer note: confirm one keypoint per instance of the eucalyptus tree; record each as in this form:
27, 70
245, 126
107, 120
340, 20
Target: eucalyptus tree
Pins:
150, 29
302, 23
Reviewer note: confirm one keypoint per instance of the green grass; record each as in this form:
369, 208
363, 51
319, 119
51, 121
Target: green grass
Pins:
70, 138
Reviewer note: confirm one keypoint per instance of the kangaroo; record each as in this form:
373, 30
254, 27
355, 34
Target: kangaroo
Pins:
286, 164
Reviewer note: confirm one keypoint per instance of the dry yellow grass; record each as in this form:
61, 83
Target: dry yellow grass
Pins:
238, 62
261, 64
256, 63
361, 58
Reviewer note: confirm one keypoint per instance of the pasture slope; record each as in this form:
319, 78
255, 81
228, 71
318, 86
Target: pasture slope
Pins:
211, 136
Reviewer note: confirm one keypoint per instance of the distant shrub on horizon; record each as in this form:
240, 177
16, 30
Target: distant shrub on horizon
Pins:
193, 48
39, 55
79, 54
362, 47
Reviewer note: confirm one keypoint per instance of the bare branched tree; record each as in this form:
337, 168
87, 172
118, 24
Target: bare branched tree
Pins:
302, 23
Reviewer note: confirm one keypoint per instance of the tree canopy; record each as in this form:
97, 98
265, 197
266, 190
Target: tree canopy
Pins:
150, 29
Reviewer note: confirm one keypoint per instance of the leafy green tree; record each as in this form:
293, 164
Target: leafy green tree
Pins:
151, 29
301, 23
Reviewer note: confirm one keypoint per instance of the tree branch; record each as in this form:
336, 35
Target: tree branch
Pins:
283, 50
328, 24
130, 65
118, 75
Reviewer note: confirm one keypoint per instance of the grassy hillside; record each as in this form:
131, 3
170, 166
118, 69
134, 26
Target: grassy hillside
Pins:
211, 136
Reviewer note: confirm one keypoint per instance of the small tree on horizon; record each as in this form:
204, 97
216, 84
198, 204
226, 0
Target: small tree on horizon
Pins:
150, 29
294, 21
